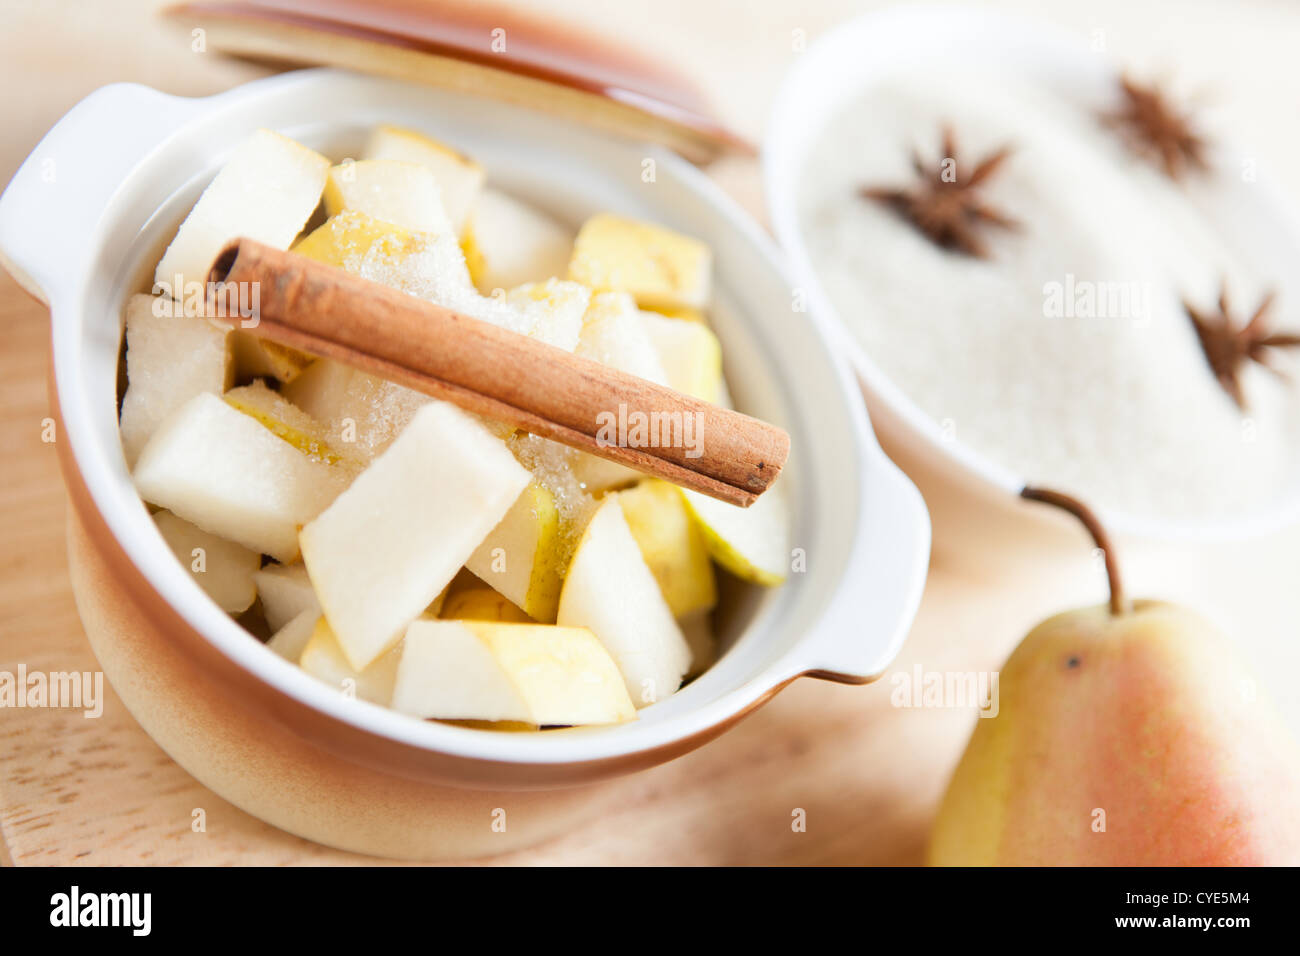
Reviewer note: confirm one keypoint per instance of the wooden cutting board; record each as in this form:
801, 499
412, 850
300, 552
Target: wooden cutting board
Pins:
866, 774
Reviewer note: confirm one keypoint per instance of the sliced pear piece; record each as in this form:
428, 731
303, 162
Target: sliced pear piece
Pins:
522, 557
752, 543
218, 468
284, 419
613, 334
690, 354
170, 358
405, 194
663, 269
481, 603
509, 243
554, 310
532, 673
698, 629
286, 592
610, 590
292, 637
261, 358
360, 414
382, 552
672, 545
350, 235
424, 265
459, 177
323, 658
267, 191
222, 568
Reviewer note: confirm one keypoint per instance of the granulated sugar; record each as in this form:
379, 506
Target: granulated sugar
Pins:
1065, 356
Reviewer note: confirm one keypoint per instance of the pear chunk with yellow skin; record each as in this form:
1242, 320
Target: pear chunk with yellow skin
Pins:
382, 552
672, 545
531, 673
267, 191
458, 176
752, 543
222, 568
350, 235
404, 194
284, 419
323, 658
286, 592
509, 243
610, 590
660, 267
220, 469
478, 602
522, 557
170, 358
426, 265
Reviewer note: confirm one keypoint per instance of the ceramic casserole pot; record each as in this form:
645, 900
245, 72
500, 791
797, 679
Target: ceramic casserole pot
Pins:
81, 226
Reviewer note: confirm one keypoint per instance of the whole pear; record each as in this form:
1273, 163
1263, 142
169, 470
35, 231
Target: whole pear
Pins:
1126, 734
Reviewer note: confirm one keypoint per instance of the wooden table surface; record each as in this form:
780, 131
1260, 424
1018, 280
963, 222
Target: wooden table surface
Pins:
867, 774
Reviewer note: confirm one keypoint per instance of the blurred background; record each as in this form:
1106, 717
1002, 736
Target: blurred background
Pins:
1238, 54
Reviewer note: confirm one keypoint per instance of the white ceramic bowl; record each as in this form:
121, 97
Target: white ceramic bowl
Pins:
128, 162
974, 493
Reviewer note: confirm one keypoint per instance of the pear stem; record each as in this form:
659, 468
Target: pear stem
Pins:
1118, 601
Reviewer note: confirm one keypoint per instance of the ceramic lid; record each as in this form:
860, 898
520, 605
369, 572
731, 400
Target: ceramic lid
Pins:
476, 48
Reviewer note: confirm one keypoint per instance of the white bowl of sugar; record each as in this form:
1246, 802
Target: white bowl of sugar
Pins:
1062, 354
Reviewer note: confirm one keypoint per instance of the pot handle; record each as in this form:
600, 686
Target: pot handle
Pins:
869, 615
50, 211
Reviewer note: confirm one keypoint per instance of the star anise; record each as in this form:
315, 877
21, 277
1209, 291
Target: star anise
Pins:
1228, 346
946, 206
1156, 131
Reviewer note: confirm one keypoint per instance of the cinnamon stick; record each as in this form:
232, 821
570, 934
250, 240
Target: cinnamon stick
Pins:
501, 374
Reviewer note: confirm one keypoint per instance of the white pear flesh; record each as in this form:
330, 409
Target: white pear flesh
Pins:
291, 638
517, 243
222, 568
553, 310
610, 590
689, 352
672, 545
405, 194
360, 414
382, 552
613, 334
170, 358
323, 658
752, 543
220, 469
286, 592
531, 673
267, 191
459, 177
